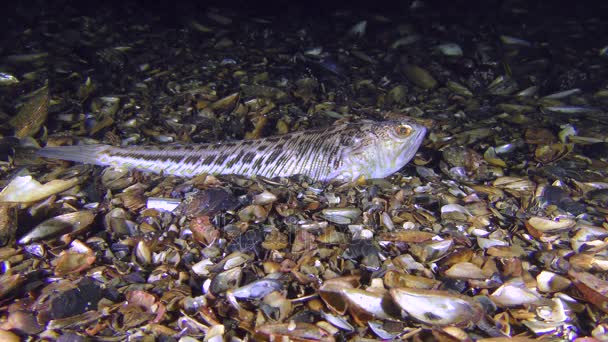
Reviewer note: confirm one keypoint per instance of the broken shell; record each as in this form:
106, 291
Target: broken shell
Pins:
438, 307
71, 223
25, 189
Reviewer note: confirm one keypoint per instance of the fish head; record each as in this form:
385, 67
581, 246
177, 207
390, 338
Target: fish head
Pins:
379, 149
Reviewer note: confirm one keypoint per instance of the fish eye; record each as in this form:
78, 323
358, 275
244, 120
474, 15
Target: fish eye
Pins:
403, 130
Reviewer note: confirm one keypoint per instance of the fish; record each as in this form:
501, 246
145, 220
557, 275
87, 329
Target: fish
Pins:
343, 152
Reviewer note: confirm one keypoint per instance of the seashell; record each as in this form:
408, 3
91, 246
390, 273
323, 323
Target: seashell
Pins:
593, 288
255, 213
450, 49
515, 293
546, 225
465, 270
551, 282
458, 89
337, 321
226, 280
295, 331
116, 178
331, 289
589, 262
438, 308
341, 215
8, 336
10, 282
412, 236
398, 279
116, 221
168, 204
455, 212
264, 198
419, 76
510, 40
281, 307
25, 189
143, 253
72, 223
514, 183
68, 263
366, 305
257, 289
32, 115
551, 153
7, 79
431, 250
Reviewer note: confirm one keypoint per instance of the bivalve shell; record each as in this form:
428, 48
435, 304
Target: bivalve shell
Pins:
546, 225
439, 308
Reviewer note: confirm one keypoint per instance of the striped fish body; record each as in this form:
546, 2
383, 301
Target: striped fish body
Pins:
342, 152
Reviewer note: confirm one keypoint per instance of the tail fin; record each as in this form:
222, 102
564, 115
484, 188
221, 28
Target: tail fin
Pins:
88, 154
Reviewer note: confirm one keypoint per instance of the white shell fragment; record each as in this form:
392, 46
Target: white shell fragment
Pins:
167, 204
